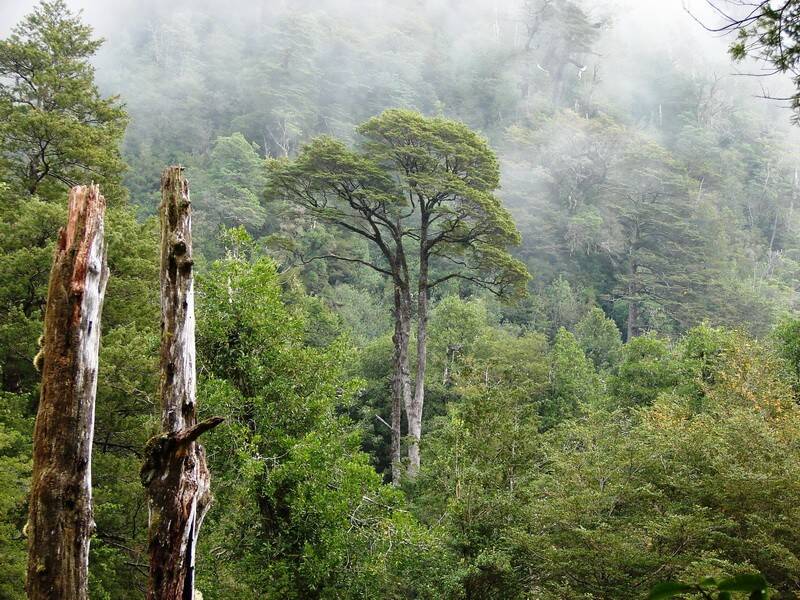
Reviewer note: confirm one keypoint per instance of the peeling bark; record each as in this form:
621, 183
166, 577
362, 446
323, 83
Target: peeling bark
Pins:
175, 473
60, 522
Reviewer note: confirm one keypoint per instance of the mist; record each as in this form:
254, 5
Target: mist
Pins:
632, 33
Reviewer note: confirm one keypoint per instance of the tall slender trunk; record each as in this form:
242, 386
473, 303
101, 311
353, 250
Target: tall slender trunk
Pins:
633, 303
633, 318
60, 522
401, 373
175, 473
414, 411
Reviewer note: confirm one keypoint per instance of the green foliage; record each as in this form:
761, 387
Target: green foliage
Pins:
451, 172
312, 517
770, 34
364, 314
610, 502
226, 190
455, 327
573, 382
15, 471
563, 309
56, 127
755, 584
472, 482
647, 369
561, 463
28, 231
679, 470
787, 340
600, 339
413, 176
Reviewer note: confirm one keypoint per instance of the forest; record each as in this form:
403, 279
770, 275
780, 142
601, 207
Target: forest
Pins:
403, 299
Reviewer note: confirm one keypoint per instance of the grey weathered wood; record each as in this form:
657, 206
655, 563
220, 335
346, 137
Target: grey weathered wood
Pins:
60, 522
175, 473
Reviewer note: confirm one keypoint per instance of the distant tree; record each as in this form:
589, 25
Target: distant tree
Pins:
279, 108
56, 130
647, 369
654, 235
559, 34
421, 190
600, 339
573, 384
455, 326
563, 309
230, 181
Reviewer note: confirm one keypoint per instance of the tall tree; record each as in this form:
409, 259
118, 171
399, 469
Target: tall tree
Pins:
448, 175
60, 521
559, 33
175, 473
422, 191
349, 190
55, 127
655, 239
228, 187
55, 131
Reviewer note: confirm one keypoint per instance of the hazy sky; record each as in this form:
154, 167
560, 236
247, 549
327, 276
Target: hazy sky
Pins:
634, 22
649, 15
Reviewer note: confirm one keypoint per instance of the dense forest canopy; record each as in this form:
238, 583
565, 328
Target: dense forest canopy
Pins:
498, 299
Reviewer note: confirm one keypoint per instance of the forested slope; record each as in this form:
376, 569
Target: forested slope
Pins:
626, 415
586, 112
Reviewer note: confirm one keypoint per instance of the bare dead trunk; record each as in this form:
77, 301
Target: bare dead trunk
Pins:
60, 522
401, 374
175, 473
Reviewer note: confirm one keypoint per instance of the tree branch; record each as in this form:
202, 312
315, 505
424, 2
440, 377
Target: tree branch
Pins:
306, 261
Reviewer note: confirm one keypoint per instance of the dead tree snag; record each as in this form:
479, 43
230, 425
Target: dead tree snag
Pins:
175, 473
60, 522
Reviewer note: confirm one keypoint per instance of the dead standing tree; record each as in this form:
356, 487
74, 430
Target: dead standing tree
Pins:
60, 522
175, 473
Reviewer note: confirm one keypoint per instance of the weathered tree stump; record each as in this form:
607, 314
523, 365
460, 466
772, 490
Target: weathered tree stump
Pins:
60, 522
175, 473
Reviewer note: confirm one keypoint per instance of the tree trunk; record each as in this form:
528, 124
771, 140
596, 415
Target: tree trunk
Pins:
633, 303
175, 473
60, 521
633, 318
414, 410
401, 373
